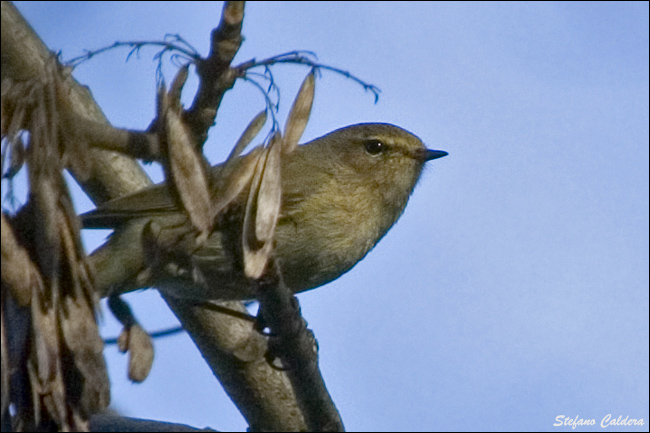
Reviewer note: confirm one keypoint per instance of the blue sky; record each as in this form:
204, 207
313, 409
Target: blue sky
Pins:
515, 287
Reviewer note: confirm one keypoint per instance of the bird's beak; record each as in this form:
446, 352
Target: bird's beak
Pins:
433, 154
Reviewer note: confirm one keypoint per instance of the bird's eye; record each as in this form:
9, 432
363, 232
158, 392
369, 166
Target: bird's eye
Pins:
374, 147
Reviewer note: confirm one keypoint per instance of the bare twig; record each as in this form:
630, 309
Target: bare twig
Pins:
302, 58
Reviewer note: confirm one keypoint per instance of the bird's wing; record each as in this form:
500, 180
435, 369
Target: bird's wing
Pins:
298, 183
150, 201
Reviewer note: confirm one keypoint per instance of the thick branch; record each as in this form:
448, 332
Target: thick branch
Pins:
236, 352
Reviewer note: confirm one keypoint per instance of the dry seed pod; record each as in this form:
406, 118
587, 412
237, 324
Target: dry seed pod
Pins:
262, 209
299, 114
184, 164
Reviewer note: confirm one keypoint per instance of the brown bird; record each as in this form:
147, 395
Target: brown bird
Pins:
341, 193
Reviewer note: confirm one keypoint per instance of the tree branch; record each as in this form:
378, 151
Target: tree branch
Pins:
297, 348
233, 349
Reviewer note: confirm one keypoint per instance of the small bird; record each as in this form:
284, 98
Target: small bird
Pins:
341, 193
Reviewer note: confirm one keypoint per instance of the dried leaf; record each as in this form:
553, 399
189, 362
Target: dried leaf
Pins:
254, 264
177, 87
255, 260
186, 168
44, 194
135, 340
19, 273
140, 353
247, 136
46, 359
299, 114
270, 193
132, 339
262, 210
233, 179
18, 147
86, 349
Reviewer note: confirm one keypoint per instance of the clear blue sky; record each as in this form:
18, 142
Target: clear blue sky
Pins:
515, 287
